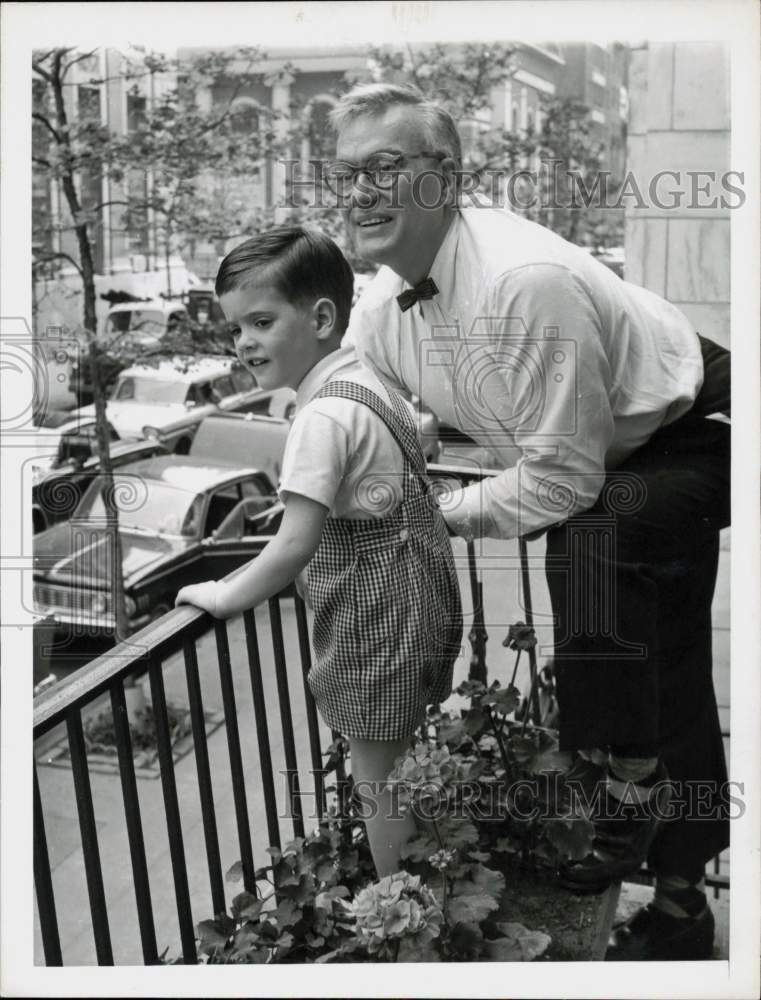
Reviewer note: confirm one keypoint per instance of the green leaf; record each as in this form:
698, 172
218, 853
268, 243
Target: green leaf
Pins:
411, 950
457, 832
470, 906
452, 731
245, 906
476, 722
419, 848
211, 935
507, 845
538, 752
503, 700
466, 941
235, 873
488, 880
286, 912
530, 944
520, 636
571, 837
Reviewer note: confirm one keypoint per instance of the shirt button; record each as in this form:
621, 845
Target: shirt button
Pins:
404, 534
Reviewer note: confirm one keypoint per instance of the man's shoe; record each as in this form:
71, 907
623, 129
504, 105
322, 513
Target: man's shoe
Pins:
653, 936
624, 831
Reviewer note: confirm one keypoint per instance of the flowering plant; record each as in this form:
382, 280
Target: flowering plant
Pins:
397, 910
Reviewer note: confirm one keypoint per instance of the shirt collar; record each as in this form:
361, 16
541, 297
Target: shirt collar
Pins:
319, 374
443, 270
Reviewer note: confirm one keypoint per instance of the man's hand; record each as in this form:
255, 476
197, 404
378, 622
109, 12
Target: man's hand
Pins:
201, 595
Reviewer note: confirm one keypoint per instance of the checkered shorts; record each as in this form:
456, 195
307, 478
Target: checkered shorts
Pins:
387, 615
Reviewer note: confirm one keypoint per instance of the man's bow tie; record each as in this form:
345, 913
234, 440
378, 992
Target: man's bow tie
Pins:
424, 290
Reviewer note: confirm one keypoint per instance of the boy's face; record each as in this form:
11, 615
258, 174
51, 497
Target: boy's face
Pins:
276, 340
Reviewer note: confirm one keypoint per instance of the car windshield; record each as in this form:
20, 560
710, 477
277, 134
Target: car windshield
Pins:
149, 390
146, 505
144, 320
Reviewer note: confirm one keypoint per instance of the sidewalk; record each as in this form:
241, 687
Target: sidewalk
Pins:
500, 574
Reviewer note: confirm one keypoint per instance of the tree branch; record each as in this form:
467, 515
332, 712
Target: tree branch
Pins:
80, 58
48, 257
37, 117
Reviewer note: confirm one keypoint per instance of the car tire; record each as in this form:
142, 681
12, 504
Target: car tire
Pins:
39, 521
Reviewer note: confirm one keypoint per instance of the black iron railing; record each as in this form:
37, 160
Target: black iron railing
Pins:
178, 634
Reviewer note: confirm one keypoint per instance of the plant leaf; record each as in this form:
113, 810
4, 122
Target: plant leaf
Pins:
235, 873
531, 944
571, 837
470, 905
539, 752
245, 906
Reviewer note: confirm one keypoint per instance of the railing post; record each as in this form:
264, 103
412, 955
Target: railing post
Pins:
88, 830
43, 883
478, 635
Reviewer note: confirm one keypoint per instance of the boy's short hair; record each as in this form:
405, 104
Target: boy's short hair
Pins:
369, 99
303, 264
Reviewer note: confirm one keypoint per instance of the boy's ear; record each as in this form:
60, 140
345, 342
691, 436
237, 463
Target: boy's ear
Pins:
324, 316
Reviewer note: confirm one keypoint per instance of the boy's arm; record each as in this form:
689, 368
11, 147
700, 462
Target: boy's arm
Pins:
278, 565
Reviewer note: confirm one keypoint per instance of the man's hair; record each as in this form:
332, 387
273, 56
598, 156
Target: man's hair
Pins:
303, 264
373, 99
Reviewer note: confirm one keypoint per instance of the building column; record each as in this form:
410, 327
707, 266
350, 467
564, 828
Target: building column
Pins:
679, 121
280, 103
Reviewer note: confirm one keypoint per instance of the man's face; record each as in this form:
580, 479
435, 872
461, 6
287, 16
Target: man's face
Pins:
393, 226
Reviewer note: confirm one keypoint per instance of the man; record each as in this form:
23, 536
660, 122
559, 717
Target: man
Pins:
587, 391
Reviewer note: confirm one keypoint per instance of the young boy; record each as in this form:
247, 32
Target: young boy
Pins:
359, 517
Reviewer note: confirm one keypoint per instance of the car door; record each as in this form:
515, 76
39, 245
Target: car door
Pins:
247, 396
240, 519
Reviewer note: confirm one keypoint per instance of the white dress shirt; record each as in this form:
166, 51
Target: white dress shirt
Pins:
540, 354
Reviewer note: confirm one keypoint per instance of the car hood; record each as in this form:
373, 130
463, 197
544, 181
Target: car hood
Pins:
129, 418
68, 554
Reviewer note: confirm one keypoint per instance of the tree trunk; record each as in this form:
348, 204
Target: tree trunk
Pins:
167, 253
90, 325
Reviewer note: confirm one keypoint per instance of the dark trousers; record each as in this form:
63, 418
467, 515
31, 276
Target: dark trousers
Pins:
631, 583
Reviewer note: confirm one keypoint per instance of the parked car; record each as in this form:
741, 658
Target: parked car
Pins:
169, 400
57, 490
204, 308
130, 330
243, 438
61, 436
181, 520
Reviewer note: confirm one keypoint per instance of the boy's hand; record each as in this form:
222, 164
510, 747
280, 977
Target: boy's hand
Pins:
201, 595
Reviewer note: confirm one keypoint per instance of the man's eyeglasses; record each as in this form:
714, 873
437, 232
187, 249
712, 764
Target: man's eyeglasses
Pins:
382, 170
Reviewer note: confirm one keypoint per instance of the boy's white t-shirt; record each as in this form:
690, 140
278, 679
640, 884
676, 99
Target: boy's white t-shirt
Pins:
338, 452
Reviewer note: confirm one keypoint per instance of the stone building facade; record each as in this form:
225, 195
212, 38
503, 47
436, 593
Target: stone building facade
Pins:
677, 233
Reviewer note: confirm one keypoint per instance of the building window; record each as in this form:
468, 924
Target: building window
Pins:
138, 230
136, 111
245, 116
318, 139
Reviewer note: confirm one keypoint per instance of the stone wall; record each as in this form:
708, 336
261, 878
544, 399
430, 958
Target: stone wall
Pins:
679, 120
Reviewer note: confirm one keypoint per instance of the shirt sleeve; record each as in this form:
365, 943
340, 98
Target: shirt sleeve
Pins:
316, 458
541, 382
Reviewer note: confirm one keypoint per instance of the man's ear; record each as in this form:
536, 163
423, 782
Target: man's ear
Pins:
449, 174
324, 316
